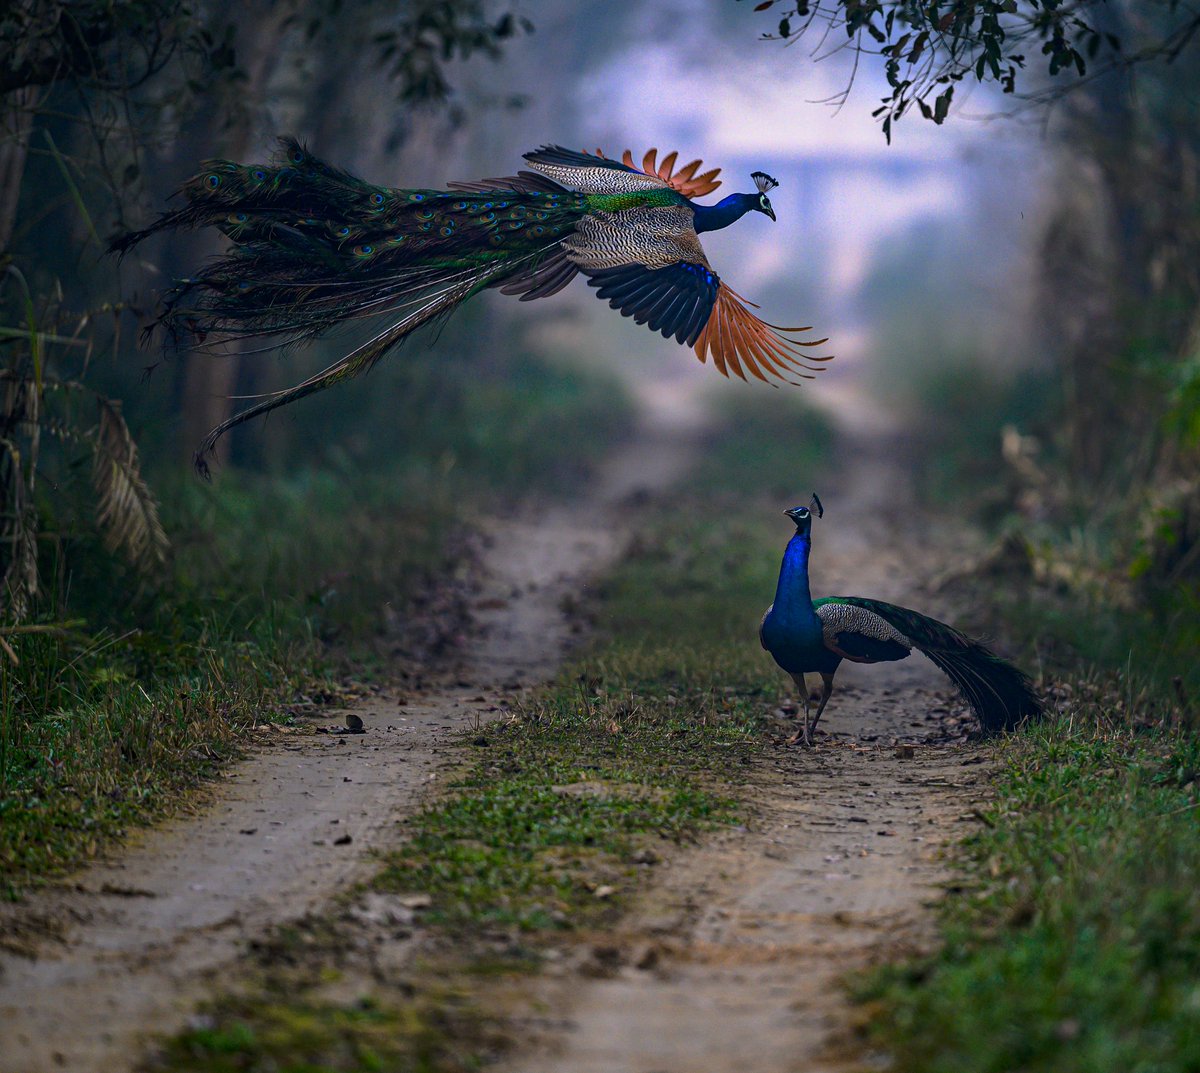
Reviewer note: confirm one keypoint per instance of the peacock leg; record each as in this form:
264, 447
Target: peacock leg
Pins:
804, 695
826, 693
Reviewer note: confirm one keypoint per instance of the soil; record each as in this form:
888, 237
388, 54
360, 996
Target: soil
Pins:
124, 950
731, 961
737, 959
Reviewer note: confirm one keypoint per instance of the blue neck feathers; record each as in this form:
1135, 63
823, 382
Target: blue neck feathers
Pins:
792, 596
723, 213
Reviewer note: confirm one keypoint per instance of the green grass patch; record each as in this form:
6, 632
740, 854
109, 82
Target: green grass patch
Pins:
441, 1034
561, 810
1077, 948
543, 832
276, 583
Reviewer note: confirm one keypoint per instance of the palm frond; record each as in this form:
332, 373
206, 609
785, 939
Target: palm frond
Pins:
126, 511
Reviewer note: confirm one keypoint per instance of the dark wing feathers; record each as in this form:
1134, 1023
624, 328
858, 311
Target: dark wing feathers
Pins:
1000, 694
675, 300
569, 158
547, 278
524, 182
859, 648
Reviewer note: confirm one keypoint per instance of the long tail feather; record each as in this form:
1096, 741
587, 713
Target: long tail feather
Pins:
1000, 694
357, 361
313, 247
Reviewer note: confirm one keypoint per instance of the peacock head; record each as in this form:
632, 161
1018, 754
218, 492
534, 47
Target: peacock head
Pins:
803, 516
763, 183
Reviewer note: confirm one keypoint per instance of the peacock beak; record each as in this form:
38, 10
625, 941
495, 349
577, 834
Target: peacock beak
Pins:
769, 211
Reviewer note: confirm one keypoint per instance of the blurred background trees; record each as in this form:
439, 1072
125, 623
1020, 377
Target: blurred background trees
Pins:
1014, 303
1093, 450
1038, 272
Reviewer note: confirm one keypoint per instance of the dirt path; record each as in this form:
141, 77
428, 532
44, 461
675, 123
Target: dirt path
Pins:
146, 934
734, 962
731, 962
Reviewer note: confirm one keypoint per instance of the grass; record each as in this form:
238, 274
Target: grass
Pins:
762, 446
1078, 948
561, 810
281, 1035
110, 707
545, 828
1072, 944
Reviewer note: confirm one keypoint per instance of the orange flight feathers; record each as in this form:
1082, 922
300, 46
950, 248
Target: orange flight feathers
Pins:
739, 341
685, 179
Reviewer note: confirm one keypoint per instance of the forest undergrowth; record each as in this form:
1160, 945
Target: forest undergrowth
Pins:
560, 811
1071, 943
282, 592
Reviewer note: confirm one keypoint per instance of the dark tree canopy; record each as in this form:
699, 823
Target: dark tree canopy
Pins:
118, 46
927, 49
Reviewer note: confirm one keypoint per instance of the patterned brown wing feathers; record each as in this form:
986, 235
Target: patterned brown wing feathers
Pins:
684, 179
734, 337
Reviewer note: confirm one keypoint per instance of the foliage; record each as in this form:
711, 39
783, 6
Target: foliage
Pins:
566, 802
928, 49
106, 714
1076, 947
416, 40
43, 434
100, 46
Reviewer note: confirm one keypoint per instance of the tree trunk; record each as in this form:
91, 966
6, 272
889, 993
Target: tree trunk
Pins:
17, 112
209, 381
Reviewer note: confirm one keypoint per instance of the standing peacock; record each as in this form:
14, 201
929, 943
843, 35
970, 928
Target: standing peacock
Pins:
814, 636
313, 247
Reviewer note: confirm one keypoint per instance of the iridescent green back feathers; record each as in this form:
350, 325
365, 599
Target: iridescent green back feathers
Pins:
312, 246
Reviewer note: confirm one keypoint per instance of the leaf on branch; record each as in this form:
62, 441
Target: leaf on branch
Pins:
764, 5
941, 106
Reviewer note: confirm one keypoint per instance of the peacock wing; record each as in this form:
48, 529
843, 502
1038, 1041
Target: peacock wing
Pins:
1000, 693
648, 263
591, 174
859, 634
738, 340
544, 278
762, 640
595, 173
684, 179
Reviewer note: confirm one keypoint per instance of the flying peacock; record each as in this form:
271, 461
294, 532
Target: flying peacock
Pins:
312, 247
814, 636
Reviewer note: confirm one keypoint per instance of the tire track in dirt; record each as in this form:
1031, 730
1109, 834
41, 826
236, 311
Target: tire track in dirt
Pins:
734, 960
144, 935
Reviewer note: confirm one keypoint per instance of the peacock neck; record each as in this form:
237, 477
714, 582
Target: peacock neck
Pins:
723, 213
792, 596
